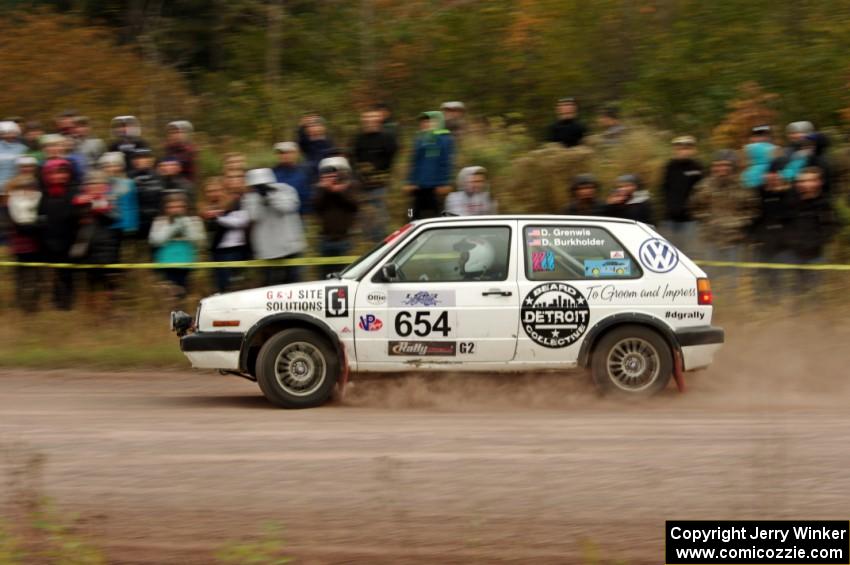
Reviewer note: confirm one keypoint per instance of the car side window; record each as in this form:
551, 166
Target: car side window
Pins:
574, 253
475, 253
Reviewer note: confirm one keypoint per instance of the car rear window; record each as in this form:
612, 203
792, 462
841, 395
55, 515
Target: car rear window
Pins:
555, 252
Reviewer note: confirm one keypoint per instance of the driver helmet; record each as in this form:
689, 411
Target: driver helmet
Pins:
477, 256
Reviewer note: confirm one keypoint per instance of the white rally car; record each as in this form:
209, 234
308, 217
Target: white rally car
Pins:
486, 293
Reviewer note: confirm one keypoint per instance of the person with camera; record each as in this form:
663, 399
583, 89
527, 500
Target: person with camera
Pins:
276, 229
336, 207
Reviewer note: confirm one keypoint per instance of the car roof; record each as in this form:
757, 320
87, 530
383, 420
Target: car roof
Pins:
536, 217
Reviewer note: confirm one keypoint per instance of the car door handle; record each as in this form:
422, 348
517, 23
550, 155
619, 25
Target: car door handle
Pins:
496, 292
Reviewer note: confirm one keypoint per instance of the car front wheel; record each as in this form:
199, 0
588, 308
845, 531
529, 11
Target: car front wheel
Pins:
297, 368
632, 361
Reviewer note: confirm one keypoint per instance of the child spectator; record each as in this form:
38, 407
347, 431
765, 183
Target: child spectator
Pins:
226, 225
473, 195
24, 197
336, 207
176, 237
276, 230
59, 228
98, 239
629, 200
584, 200
123, 192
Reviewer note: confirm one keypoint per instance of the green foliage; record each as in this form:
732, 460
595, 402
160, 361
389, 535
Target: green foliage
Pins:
267, 550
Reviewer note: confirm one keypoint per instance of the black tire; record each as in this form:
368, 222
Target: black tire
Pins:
631, 361
309, 369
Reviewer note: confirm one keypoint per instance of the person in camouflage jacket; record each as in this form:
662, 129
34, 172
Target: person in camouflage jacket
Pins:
724, 208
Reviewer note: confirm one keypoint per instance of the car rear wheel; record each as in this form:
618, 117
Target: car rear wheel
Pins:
632, 361
297, 368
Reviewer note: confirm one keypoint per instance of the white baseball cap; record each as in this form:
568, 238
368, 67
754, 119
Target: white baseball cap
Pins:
256, 177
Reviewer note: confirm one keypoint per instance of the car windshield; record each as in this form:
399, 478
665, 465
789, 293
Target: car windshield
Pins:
359, 267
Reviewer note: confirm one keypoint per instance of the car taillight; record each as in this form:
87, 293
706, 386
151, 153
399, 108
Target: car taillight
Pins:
704, 295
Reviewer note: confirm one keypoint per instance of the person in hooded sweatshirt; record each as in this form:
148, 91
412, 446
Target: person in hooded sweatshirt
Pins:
584, 197
629, 200
23, 201
472, 198
811, 225
759, 153
681, 174
431, 166
59, 225
276, 228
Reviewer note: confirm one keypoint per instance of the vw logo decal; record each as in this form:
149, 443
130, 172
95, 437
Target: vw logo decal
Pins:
658, 255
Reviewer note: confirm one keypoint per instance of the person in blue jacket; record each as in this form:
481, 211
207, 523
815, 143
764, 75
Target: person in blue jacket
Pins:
289, 171
431, 166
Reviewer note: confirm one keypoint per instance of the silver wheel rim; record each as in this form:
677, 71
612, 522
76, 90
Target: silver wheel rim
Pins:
300, 368
633, 364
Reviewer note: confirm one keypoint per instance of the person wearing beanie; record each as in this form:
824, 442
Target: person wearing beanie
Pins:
759, 153
336, 207
373, 154
126, 132
276, 228
24, 197
149, 190
568, 130
430, 166
472, 198
681, 174
10, 149
584, 198
179, 146
724, 211
796, 133
629, 200
59, 225
290, 171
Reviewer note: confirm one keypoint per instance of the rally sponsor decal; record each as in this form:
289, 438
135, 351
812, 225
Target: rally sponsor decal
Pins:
422, 348
658, 256
562, 237
421, 298
554, 315
692, 315
542, 261
611, 293
376, 297
370, 323
607, 268
295, 300
336, 301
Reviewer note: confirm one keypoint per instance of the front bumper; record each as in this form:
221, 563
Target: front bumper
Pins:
213, 350
699, 344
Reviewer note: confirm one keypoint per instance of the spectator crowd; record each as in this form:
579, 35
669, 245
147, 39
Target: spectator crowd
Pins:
69, 197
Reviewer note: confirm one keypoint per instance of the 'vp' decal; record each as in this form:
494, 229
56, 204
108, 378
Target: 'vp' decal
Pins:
658, 255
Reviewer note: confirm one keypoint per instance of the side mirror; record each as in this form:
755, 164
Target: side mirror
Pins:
389, 271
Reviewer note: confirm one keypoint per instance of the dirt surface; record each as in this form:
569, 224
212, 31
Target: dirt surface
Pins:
166, 467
